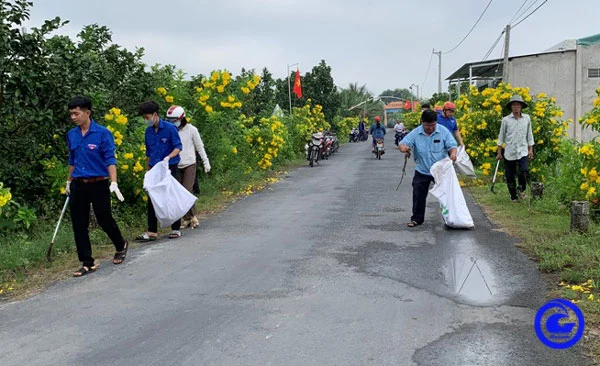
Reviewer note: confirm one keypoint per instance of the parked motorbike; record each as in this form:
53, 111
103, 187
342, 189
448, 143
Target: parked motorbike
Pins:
331, 143
354, 135
313, 148
379, 150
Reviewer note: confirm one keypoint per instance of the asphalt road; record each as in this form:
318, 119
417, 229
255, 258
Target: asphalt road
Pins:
318, 270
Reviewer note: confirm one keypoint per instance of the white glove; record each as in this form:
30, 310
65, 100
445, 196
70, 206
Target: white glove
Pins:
68, 188
114, 188
206, 168
166, 160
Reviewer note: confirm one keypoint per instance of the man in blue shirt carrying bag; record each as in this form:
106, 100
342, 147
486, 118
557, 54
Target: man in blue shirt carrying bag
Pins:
92, 163
162, 145
431, 143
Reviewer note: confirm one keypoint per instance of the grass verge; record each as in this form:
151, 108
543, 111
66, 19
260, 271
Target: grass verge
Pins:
571, 261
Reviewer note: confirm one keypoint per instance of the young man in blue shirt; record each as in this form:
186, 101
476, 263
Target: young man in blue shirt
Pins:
162, 145
377, 131
92, 164
430, 143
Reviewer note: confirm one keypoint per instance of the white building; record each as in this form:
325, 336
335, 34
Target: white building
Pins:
569, 71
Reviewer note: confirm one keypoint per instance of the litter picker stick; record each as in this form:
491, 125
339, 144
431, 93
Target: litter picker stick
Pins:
406, 157
494, 179
62, 213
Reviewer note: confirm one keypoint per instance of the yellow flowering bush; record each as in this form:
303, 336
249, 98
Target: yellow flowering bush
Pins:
479, 115
305, 121
589, 154
265, 138
343, 126
5, 196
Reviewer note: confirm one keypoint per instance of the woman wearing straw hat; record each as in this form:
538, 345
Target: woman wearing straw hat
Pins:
516, 134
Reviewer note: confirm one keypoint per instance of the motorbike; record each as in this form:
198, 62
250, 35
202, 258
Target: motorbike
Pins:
379, 150
331, 142
398, 137
314, 148
353, 135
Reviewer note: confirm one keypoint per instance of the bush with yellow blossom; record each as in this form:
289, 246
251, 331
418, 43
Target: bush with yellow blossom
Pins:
479, 116
589, 154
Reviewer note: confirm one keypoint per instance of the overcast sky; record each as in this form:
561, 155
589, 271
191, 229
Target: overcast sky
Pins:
385, 44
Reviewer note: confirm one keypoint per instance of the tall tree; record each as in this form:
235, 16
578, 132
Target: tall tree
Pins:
318, 85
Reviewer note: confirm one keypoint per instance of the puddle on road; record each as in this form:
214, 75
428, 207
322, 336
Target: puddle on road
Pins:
470, 278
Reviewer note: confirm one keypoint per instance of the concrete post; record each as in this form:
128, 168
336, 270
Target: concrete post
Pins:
580, 216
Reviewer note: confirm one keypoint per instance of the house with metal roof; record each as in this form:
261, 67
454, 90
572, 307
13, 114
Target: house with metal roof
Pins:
568, 71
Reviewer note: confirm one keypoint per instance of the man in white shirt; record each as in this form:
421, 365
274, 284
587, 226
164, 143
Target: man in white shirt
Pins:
517, 135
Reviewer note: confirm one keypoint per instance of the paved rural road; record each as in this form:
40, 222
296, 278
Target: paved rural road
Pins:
318, 270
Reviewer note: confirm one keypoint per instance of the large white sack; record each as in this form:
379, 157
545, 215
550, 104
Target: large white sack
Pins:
463, 163
449, 194
170, 199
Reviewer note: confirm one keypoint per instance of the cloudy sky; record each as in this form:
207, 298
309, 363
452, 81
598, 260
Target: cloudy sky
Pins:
384, 44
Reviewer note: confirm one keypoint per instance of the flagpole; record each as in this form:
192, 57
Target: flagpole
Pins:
290, 86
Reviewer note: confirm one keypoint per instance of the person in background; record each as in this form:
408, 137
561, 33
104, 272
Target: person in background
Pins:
162, 145
516, 133
430, 144
446, 119
377, 131
192, 144
92, 164
425, 107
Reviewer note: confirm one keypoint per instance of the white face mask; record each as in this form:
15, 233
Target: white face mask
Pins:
177, 124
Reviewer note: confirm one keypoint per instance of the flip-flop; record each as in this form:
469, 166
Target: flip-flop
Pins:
85, 270
120, 256
175, 234
146, 237
412, 224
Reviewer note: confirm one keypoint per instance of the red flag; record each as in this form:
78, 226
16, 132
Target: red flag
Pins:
407, 105
298, 85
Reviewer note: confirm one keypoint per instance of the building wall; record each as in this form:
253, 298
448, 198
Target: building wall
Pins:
551, 73
590, 58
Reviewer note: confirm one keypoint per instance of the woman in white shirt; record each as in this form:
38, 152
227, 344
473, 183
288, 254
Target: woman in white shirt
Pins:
192, 143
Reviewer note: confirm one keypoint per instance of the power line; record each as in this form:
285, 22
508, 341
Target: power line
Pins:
528, 15
514, 17
426, 73
489, 52
525, 11
473, 27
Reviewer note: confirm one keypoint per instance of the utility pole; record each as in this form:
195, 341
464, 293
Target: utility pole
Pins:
439, 53
505, 64
289, 85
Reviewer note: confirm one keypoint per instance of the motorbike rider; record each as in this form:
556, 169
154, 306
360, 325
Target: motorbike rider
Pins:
446, 119
400, 131
377, 131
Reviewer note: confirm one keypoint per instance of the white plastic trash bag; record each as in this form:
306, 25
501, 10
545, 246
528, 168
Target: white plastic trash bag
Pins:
449, 194
463, 163
170, 199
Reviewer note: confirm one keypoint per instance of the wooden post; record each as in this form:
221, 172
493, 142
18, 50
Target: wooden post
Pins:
580, 216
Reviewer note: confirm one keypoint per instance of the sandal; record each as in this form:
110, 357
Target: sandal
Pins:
146, 237
175, 234
119, 257
412, 224
85, 270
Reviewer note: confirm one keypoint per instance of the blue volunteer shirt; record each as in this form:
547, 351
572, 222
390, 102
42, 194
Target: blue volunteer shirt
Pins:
91, 154
449, 123
161, 142
428, 150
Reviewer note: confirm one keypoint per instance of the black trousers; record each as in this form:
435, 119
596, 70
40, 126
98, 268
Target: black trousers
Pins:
420, 186
510, 169
98, 194
152, 220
